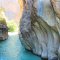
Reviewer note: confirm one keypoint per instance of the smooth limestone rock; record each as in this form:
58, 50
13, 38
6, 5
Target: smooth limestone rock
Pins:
56, 6
39, 28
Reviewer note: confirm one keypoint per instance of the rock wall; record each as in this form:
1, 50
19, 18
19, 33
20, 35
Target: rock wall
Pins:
40, 28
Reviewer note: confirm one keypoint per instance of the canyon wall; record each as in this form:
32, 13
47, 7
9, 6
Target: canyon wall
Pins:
40, 27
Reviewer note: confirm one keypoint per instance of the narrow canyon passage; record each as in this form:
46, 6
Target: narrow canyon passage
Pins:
12, 49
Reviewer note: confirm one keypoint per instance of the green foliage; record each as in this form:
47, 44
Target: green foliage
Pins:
2, 17
3, 21
12, 27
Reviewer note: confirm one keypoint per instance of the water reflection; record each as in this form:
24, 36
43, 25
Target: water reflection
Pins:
12, 49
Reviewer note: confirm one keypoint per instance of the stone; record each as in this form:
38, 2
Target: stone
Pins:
54, 59
3, 30
39, 28
56, 7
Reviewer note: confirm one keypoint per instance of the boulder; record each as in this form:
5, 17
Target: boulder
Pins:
3, 29
38, 28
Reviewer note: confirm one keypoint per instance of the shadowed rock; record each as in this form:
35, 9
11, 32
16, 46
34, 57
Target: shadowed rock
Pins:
3, 29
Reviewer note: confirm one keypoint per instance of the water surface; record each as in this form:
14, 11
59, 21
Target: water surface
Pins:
11, 49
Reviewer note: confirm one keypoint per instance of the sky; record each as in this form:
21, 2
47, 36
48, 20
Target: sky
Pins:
11, 8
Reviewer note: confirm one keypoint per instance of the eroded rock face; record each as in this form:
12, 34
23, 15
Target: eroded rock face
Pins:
39, 28
56, 6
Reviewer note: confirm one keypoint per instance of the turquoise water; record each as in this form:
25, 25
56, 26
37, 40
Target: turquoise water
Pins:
12, 49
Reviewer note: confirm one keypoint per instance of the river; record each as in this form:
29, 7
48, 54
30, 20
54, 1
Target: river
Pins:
11, 49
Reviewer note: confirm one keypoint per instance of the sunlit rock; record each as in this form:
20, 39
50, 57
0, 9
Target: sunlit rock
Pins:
56, 6
39, 28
